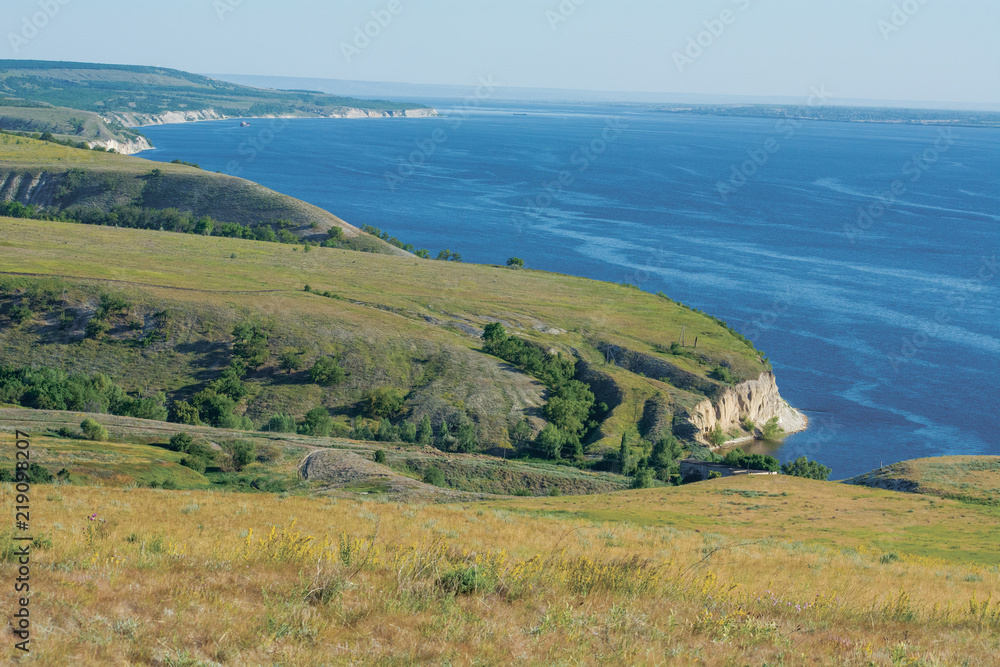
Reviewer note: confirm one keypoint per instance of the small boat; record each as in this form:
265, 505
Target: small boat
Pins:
245, 123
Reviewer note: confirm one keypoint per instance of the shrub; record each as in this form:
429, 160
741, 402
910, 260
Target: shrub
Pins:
290, 359
771, 429
643, 479
182, 412
740, 459
181, 443
716, 436
383, 402
434, 476
515, 262
318, 422
380, 456
464, 581
92, 430
722, 374
326, 371
282, 423
243, 453
196, 463
803, 467
714, 474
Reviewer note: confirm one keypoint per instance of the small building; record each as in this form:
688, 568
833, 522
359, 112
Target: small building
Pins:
693, 470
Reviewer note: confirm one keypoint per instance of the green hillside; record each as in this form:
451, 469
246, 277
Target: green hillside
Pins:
93, 102
89, 185
158, 311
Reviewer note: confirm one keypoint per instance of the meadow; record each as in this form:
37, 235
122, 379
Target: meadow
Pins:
139, 576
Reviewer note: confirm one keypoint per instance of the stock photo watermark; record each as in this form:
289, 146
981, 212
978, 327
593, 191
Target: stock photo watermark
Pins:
913, 169
784, 130
256, 144
901, 15
223, 7
562, 13
35, 23
425, 148
364, 35
714, 29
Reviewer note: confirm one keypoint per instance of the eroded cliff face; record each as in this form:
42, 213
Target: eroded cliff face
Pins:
27, 188
757, 400
169, 117
125, 148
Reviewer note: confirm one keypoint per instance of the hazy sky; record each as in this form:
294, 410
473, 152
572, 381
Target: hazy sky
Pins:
934, 50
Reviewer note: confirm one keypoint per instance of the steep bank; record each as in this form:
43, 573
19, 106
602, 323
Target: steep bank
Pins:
132, 119
757, 400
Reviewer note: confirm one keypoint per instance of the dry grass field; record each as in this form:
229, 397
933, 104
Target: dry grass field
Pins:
137, 576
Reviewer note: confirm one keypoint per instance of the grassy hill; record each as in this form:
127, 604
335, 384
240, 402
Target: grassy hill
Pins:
397, 322
60, 180
96, 103
974, 479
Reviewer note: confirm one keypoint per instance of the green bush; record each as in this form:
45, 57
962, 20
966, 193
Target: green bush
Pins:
318, 422
643, 478
243, 453
196, 463
282, 423
92, 430
380, 456
383, 402
740, 459
434, 476
326, 371
771, 429
803, 467
716, 436
181, 443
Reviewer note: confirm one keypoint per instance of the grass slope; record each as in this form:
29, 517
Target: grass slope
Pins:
158, 577
56, 177
975, 479
398, 321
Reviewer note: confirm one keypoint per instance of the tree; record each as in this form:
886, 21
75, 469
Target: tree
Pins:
643, 478
383, 402
516, 262
204, 226
521, 433
803, 467
466, 435
444, 255
290, 359
318, 422
243, 453
386, 432
181, 443
92, 430
326, 371
250, 344
182, 412
425, 434
408, 432
379, 454
665, 452
551, 441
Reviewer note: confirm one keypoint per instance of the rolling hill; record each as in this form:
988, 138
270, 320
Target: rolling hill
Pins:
98, 103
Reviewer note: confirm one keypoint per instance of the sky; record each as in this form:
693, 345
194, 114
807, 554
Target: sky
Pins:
892, 50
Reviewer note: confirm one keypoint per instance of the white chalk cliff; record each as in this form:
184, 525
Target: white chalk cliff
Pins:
757, 400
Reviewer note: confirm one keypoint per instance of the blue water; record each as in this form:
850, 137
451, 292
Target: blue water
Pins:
884, 329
